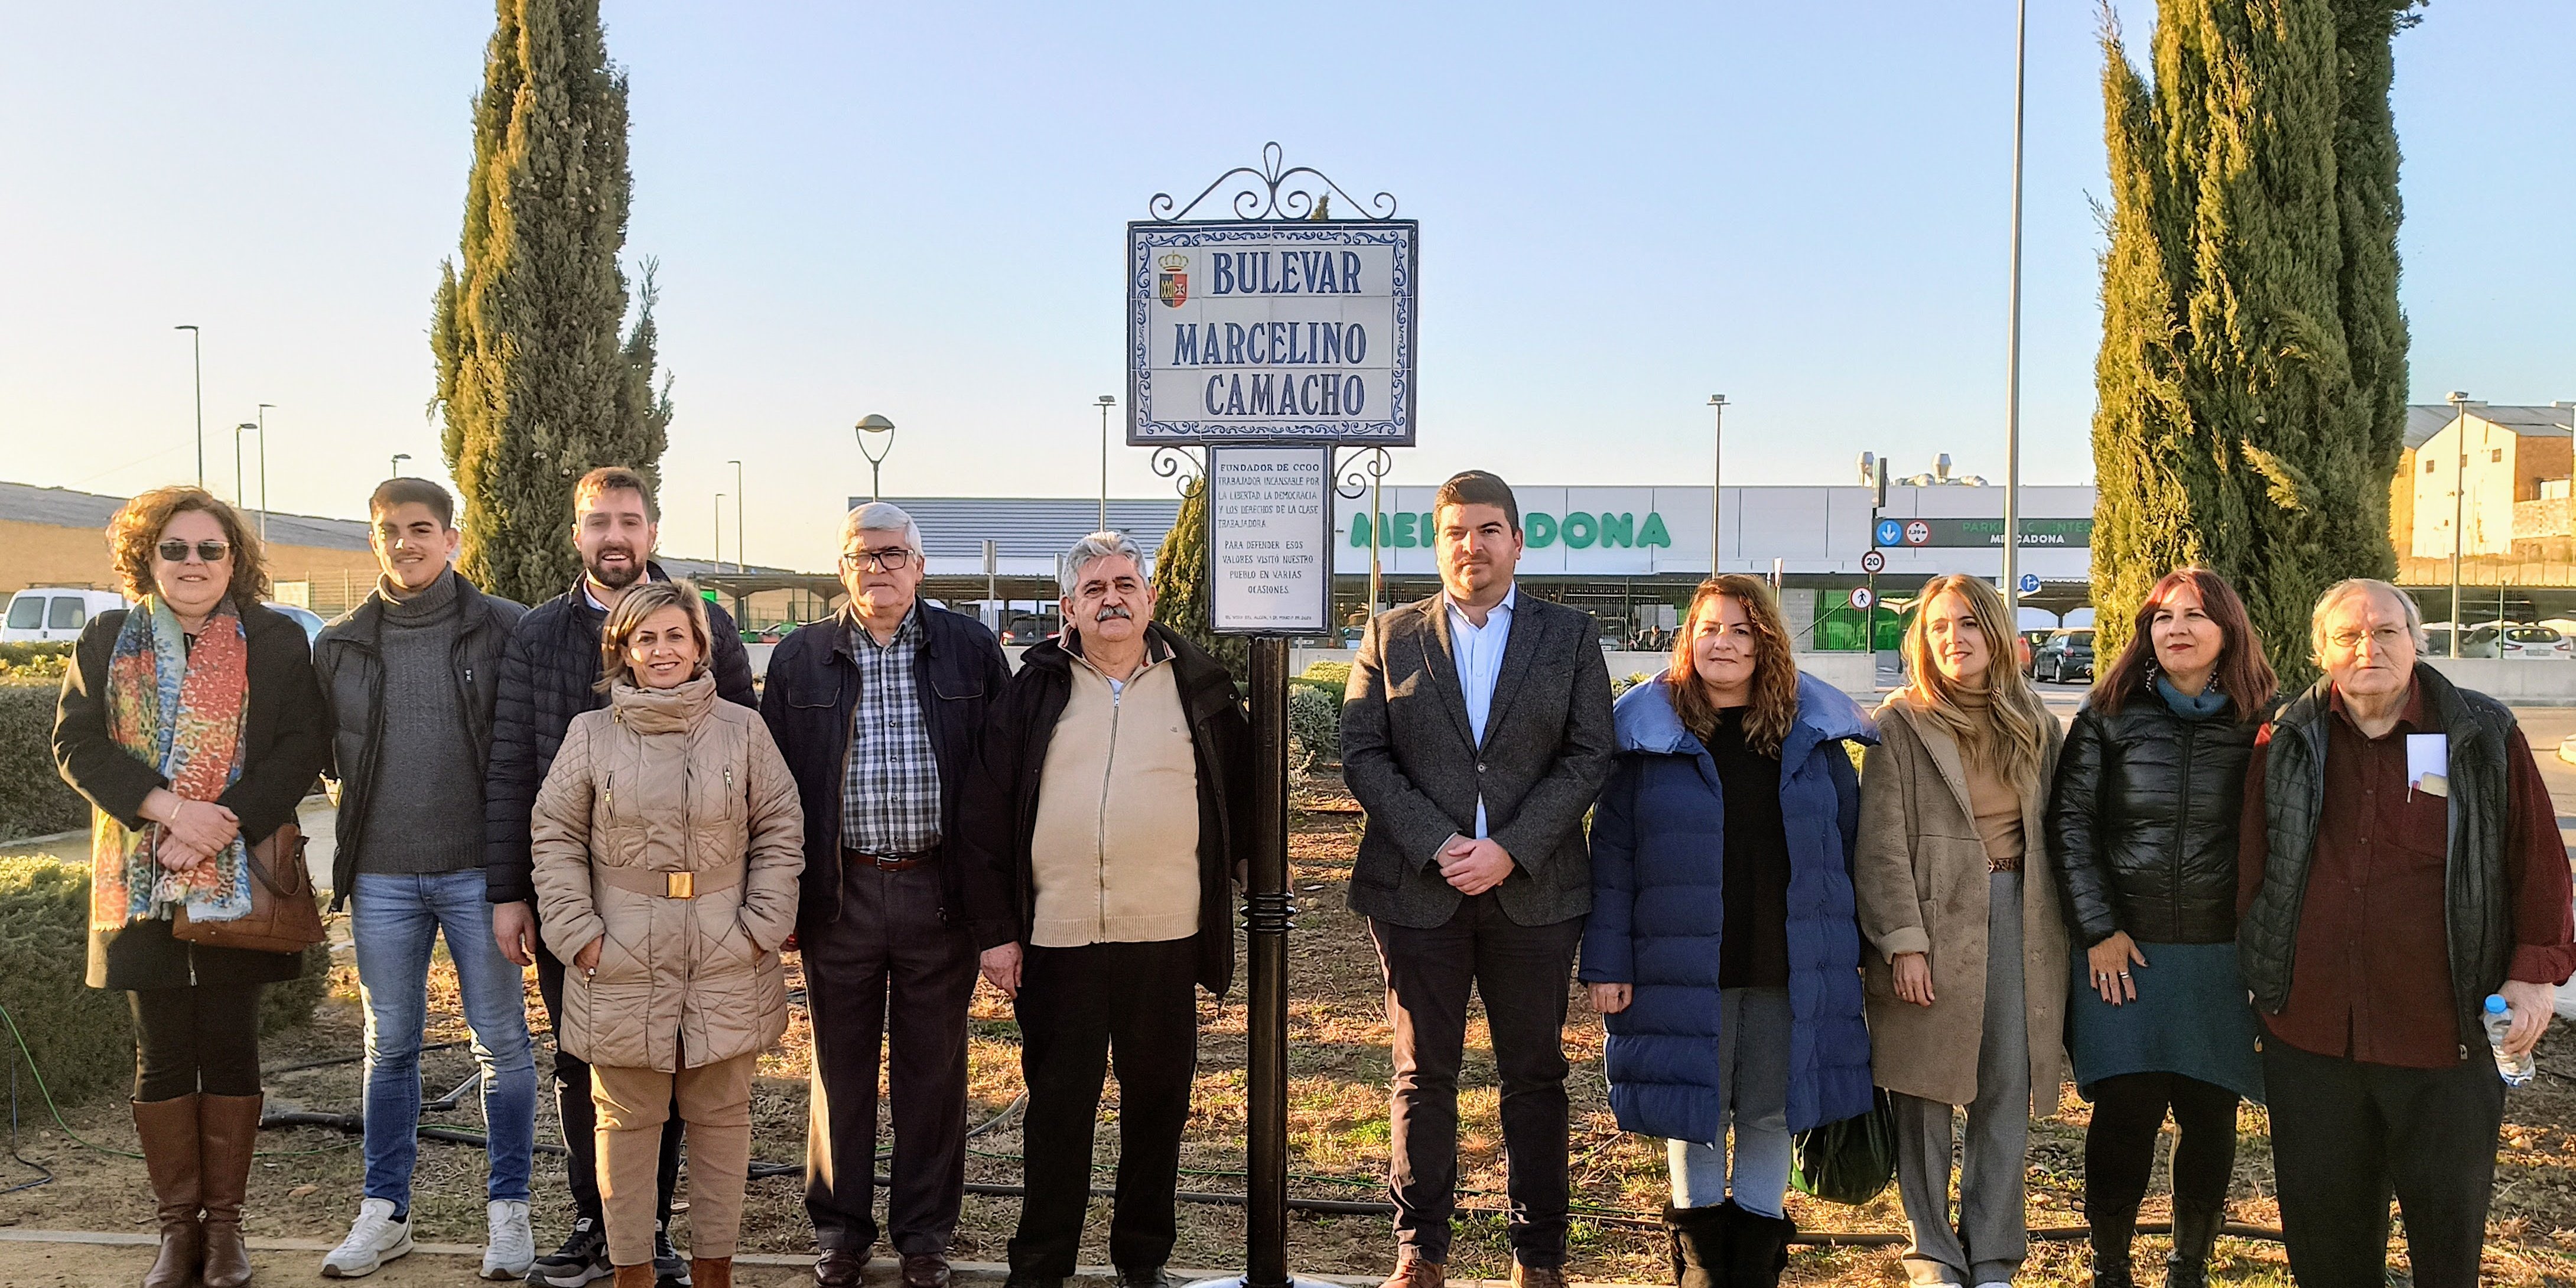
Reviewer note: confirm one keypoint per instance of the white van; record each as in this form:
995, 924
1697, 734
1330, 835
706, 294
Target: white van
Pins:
54, 614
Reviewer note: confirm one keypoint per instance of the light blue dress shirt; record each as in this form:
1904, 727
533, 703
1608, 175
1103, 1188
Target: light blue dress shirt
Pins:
1478, 652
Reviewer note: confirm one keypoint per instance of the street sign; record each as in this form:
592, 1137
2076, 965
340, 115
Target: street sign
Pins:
1270, 540
1861, 598
2029, 583
1873, 562
2059, 534
1269, 331
1918, 533
1889, 532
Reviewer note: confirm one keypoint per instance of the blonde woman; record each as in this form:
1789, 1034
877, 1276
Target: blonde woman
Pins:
667, 840
1966, 987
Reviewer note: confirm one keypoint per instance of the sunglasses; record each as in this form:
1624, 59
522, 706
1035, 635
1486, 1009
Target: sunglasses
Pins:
208, 551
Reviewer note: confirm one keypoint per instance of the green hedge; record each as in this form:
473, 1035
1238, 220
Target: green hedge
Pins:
35, 661
1314, 724
80, 1036
1335, 674
34, 800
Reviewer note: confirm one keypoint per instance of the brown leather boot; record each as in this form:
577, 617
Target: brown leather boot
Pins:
169, 1132
639, 1275
711, 1272
227, 1133
1415, 1272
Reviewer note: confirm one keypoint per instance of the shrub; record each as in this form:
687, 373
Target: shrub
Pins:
1622, 683
80, 1036
34, 800
1314, 725
35, 661
1335, 675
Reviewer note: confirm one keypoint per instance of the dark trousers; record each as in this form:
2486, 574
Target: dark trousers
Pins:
1080, 1009
1522, 973
2346, 1135
2120, 1146
580, 1122
197, 1038
890, 975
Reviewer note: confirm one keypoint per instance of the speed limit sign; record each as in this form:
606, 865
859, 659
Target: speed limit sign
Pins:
1861, 598
1873, 562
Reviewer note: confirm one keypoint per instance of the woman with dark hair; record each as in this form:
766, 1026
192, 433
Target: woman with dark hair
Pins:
2143, 825
1722, 951
194, 725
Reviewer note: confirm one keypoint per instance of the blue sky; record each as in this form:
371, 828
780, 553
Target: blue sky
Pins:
917, 209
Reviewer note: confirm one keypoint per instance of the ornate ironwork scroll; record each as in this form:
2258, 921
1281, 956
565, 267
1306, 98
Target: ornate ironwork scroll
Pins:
1181, 465
1275, 191
1367, 466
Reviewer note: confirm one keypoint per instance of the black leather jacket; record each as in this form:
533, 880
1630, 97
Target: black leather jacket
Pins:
2142, 823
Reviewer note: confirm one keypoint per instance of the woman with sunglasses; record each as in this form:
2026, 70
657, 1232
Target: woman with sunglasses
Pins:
194, 725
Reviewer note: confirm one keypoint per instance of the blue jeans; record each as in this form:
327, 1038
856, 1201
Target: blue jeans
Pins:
394, 921
1753, 1076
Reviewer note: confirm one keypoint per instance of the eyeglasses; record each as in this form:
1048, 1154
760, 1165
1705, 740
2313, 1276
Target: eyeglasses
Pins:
2381, 640
886, 560
208, 551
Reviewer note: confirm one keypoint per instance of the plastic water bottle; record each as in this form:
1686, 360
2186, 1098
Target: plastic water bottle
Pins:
2517, 1069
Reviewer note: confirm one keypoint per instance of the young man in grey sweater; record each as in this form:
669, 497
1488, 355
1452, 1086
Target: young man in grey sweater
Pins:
410, 676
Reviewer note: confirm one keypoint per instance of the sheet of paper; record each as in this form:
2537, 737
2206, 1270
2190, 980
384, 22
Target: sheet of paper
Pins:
2428, 753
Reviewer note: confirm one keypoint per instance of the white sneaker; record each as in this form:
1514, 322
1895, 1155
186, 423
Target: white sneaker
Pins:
511, 1248
374, 1239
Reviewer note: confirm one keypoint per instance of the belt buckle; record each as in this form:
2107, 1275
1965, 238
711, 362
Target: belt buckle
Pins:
680, 885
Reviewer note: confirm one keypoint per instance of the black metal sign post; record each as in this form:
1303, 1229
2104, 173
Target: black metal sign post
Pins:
1292, 392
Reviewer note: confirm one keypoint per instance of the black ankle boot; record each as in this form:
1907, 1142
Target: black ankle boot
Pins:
2113, 1230
2195, 1232
1699, 1245
1757, 1248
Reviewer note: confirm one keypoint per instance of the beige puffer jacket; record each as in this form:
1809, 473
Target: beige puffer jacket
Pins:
669, 781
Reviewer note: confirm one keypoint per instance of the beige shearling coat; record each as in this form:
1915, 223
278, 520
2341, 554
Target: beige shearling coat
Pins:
1920, 876
662, 781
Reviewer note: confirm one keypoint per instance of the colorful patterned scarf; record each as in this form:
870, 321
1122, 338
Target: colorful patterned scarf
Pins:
179, 710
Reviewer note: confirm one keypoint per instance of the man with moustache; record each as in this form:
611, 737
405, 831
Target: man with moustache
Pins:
410, 677
548, 676
1476, 732
1113, 774
878, 710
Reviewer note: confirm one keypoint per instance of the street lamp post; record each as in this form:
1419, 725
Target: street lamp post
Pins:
737, 514
719, 529
240, 501
399, 458
1716, 475
873, 423
2459, 507
1106, 402
197, 352
2012, 345
263, 470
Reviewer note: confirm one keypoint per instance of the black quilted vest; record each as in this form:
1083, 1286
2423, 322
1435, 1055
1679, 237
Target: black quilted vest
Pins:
2476, 896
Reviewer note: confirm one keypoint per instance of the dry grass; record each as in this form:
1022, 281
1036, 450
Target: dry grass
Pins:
1339, 1068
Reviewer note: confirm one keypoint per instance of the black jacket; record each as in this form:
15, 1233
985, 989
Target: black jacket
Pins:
2142, 823
285, 740
547, 673
349, 657
809, 700
1001, 886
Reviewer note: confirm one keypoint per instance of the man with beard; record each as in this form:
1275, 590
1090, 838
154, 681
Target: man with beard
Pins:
549, 674
1099, 844
1476, 733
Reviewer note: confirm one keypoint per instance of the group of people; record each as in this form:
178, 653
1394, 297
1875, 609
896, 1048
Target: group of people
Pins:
2201, 893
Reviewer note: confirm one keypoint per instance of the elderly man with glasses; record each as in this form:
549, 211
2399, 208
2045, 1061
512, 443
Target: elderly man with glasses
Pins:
878, 710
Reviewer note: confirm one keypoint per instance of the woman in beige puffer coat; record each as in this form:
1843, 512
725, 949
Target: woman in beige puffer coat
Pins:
668, 839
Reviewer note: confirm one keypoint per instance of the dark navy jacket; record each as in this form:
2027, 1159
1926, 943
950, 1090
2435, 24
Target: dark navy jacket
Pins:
808, 699
1658, 842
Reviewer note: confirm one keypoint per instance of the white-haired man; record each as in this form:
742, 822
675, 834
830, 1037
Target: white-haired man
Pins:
878, 710
1099, 843
2400, 863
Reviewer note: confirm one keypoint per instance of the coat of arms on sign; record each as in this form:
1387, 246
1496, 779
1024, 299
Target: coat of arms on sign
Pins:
1173, 286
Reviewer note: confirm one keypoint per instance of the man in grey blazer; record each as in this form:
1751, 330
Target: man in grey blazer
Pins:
1476, 732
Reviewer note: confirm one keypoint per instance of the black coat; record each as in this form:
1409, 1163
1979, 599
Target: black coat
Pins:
1001, 882
285, 740
2142, 822
810, 697
349, 655
548, 674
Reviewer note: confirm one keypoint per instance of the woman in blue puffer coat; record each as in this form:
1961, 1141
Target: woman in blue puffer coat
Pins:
1723, 952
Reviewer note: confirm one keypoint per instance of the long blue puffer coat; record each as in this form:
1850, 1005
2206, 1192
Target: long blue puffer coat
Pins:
1658, 841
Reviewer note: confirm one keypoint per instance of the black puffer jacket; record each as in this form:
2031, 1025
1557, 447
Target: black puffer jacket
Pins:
547, 671
2142, 822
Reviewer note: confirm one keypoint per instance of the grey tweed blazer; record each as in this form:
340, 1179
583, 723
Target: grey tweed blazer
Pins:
1411, 761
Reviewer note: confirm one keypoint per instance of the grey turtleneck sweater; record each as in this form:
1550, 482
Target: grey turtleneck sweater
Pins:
425, 807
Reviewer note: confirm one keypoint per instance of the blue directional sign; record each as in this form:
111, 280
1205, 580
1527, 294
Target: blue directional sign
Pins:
1890, 532
2030, 583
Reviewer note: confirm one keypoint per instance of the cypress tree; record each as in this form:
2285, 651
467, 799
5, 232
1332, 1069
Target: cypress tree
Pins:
2251, 377
1180, 583
536, 383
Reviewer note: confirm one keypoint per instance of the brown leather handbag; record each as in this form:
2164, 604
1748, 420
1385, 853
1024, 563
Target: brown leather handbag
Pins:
283, 916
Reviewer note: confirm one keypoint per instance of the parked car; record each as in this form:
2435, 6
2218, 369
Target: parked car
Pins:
54, 614
305, 617
2067, 656
2535, 644
2477, 641
1029, 628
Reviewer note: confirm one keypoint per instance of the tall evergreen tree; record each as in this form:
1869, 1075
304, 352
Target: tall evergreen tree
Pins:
534, 379
2252, 372
1180, 583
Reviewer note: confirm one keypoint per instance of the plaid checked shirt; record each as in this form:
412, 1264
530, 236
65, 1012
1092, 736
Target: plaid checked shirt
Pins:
890, 780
